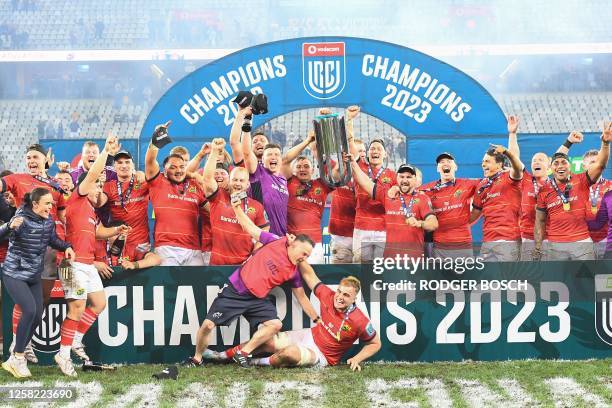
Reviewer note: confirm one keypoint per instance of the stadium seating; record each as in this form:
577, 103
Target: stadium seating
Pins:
539, 113
56, 24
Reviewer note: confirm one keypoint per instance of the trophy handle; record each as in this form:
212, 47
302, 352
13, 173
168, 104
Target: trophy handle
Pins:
332, 142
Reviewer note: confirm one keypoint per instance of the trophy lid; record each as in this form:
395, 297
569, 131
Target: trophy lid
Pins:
331, 115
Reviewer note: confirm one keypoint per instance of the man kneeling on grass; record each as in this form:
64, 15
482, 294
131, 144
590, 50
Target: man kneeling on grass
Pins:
340, 324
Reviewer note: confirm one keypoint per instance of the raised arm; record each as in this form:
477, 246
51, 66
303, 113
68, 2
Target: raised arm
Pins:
88, 184
362, 179
194, 163
237, 152
573, 138
604, 153
210, 184
151, 164
351, 114
513, 145
517, 167
250, 160
294, 152
308, 274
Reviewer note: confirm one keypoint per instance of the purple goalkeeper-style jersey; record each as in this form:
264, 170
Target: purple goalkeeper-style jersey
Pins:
275, 197
604, 215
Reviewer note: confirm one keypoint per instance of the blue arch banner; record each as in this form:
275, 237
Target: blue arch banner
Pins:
413, 92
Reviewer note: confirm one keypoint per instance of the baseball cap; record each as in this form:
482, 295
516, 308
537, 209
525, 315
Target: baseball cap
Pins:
445, 155
559, 155
123, 153
406, 167
243, 99
37, 147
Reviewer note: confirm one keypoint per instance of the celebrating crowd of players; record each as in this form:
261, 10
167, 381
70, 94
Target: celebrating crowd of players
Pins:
257, 197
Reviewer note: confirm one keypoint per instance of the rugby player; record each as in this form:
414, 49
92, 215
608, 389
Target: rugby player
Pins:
562, 207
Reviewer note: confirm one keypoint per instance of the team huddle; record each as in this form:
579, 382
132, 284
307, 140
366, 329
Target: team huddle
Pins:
260, 209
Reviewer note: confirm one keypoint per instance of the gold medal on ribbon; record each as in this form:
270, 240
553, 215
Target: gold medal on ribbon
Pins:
406, 220
594, 209
566, 206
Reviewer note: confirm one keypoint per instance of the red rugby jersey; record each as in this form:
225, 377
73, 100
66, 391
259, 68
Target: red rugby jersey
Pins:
451, 205
81, 223
305, 208
561, 225
596, 193
205, 230
266, 269
499, 198
530, 187
401, 237
20, 184
131, 207
335, 334
176, 212
231, 245
342, 211
370, 214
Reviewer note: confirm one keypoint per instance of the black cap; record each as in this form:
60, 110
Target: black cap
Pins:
37, 147
243, 99
407, 167
123, 153
445, 155
559, 155
170, 372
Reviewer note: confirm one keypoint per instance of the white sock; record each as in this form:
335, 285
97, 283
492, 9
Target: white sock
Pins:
265, 361
223, 355
78, 339
65, 351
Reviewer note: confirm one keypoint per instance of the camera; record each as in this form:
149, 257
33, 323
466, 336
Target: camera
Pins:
258, 104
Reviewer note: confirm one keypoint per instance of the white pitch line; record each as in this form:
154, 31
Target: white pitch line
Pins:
568, 393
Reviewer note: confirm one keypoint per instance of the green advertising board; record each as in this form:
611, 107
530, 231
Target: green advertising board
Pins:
501, 311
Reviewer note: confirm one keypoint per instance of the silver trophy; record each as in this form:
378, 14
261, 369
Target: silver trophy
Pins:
332, 142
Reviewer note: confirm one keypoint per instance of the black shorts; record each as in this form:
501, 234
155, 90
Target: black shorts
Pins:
229, 305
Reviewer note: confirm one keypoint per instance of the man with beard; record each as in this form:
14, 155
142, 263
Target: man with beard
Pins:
408, 212
498, 199
597, 190
451, 200
128, 200
20, 184
89, 154
231, 245
532, 183
369, 235
562, 207
176, 202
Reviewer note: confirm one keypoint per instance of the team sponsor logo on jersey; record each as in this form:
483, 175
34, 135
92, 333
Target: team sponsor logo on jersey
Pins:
323, 69
603, 307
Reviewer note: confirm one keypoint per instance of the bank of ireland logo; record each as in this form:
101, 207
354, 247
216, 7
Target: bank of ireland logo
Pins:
47, 336
323, 69
603, 307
